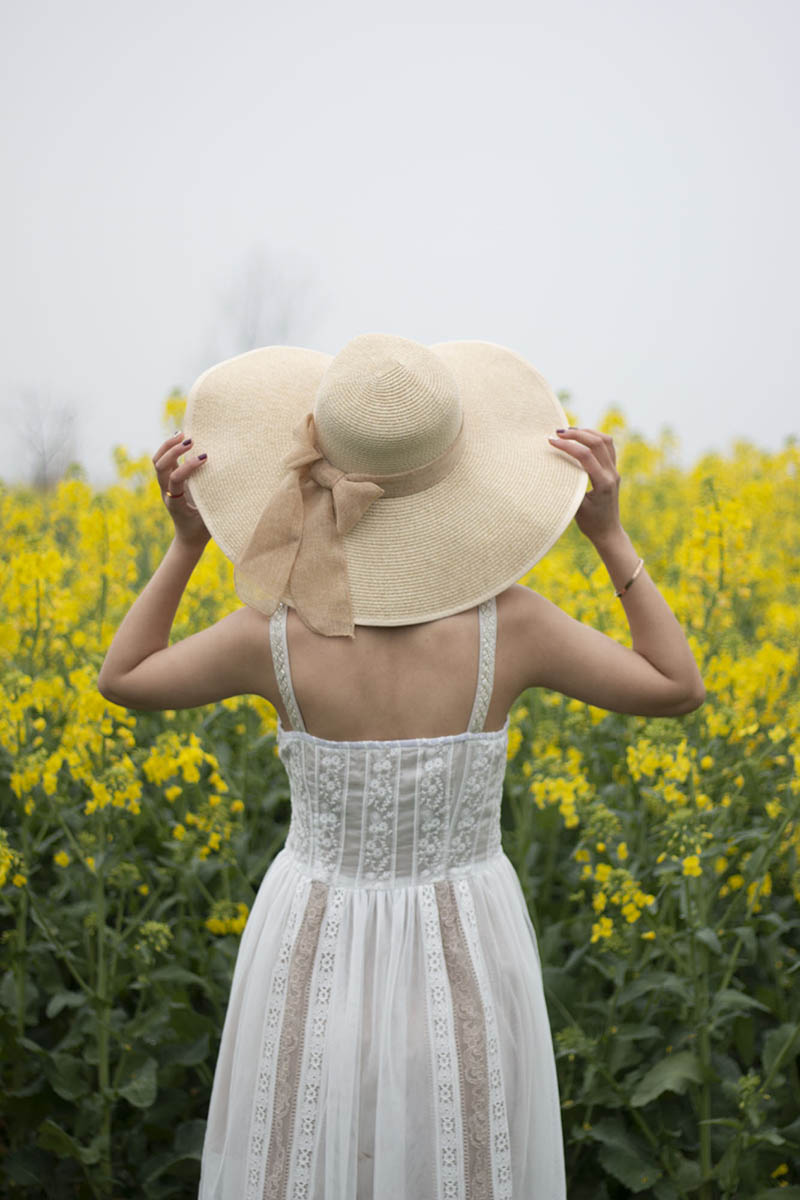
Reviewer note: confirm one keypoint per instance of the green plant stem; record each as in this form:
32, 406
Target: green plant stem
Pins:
103, 1014
700, 992
112, 970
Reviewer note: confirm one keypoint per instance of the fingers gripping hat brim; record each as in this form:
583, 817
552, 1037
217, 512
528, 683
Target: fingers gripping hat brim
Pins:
410, 558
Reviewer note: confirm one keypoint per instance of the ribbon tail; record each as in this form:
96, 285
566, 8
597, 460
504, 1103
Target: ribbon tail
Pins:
318, 583
261, 573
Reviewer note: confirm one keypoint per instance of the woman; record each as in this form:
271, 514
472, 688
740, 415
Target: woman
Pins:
386, 1033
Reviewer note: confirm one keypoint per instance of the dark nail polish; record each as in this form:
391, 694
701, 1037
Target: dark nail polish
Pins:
186, 443
202, 456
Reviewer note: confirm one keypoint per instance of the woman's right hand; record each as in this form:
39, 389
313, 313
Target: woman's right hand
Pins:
598, 515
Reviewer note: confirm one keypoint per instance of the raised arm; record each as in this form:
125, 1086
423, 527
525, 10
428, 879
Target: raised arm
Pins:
659, 676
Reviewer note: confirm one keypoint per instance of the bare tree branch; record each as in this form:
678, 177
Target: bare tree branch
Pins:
46, 431
270, 300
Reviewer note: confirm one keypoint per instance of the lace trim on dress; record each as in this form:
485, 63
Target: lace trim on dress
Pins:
470, 1034
501, 1144
290, 1051
305, 1126
487, 624
443, 1052
280, 659
264, 1095
432, 808
378, 829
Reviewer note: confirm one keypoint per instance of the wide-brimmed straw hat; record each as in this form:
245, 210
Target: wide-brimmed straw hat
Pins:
391, 484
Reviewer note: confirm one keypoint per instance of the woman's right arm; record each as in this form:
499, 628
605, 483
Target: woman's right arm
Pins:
659, 676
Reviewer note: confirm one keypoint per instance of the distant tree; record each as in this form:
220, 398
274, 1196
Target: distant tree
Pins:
46, 435
271, 299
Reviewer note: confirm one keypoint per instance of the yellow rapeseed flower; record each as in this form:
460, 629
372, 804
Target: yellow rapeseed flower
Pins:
602, 929
61, 859
691, 865
19, 880
622, 851
514, 742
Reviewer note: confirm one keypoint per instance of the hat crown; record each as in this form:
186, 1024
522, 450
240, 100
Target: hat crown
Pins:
384, 405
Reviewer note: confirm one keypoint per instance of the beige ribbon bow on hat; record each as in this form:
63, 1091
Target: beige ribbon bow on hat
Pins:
297, 543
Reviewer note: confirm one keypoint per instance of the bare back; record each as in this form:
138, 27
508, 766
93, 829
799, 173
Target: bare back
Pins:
394, 683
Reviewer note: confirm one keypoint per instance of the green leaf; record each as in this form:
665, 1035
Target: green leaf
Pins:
686, 1173
27, 1167
189, 1139
664, 1190
172, 973
709, 938
748, 936
65, 1074
631, 1033
188, 1144
729, 1000
611, 1131
635, 1172
141, 1086
792, 1132
671, 1074
52, 1137
187, 1055
787, 1193
663, 981
783, 1043
64, 1000
8, 991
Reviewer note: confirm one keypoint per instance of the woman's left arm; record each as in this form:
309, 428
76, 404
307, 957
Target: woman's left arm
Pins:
141, 670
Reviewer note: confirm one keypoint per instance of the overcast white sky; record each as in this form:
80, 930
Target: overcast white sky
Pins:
609, 187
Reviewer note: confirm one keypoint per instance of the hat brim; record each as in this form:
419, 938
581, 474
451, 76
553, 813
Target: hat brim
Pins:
410, 558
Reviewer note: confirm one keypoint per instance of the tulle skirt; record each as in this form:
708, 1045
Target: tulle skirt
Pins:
387, 1042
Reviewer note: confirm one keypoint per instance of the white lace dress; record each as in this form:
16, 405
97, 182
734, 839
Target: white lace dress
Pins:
386, 1036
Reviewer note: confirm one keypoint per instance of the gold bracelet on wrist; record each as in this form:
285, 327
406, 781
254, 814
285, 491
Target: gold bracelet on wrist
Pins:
623, 590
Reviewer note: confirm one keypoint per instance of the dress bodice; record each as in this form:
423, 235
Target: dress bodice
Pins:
394, 812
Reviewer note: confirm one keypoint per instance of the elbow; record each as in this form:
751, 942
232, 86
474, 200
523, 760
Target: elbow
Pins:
105, 691
693, 700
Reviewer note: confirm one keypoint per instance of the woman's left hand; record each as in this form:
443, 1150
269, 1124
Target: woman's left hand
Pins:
190, 527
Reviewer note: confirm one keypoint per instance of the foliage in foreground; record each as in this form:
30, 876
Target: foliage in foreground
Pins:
659, 857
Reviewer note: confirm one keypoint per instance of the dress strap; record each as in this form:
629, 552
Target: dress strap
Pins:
487, 624
280, 659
